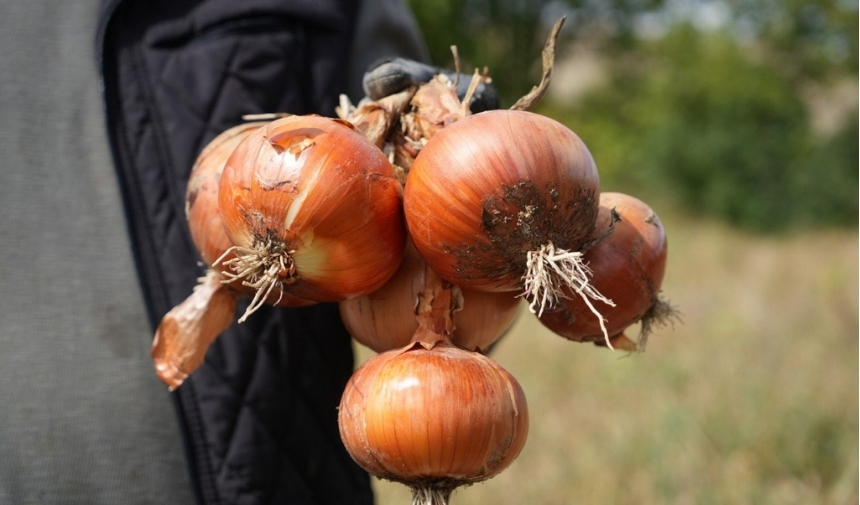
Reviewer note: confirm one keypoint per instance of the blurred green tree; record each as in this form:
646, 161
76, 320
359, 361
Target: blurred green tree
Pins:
507, 36
808, 39
692, 118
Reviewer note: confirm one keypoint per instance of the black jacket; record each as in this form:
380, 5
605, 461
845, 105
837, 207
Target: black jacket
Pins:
259, 417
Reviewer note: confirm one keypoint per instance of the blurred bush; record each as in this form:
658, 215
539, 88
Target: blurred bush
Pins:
715, 120
693, 118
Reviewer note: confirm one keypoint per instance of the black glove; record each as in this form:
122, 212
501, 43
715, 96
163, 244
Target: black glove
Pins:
393, 75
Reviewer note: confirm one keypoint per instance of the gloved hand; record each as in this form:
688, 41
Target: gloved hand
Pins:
392, 75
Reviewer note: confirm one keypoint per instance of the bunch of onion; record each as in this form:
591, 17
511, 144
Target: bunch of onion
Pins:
313, 210
186, 331
505, 200
432, 415
628, 266
386, 319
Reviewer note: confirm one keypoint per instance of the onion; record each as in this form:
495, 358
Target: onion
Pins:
504, 200
185, 333
203, 216
385, 319
432, 415
433, 418
313, 209
628, 265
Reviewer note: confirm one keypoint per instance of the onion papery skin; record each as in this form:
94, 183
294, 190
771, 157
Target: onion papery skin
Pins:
201, 196
493, 186
202, 213
628, 266
188, 329
314, 189
385, 319
436, 417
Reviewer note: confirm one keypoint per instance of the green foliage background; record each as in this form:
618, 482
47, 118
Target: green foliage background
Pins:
711, 121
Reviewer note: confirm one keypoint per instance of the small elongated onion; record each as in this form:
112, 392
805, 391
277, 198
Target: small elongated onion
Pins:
434, 417
385, 319
313, 209
503, 200
204, 218
628, 265
186, 331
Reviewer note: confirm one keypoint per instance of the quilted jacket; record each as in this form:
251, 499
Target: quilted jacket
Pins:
259, 418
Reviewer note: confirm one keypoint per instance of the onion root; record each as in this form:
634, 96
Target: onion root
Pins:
549, 270
263, 267
660, 314
431, 495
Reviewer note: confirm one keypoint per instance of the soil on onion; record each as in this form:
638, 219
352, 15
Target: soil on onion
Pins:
521, 218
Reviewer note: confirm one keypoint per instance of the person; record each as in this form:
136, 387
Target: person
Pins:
94, 250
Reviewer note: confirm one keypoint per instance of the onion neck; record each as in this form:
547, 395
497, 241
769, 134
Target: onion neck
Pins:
437, 303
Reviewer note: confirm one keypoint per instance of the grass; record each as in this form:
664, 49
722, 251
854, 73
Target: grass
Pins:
753, 399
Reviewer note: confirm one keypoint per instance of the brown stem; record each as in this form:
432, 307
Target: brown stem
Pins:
476, 81
533, 97
437, 302
376, 120
456, 55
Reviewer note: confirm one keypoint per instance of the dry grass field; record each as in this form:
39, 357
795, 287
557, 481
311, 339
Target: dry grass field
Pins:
752, 400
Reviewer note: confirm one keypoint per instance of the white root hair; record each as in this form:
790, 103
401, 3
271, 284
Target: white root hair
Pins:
261, 268
549, 270
431, 495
